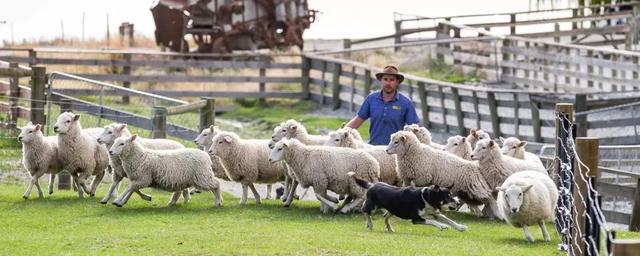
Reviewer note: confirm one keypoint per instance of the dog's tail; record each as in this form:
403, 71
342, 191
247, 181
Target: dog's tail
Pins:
362, 183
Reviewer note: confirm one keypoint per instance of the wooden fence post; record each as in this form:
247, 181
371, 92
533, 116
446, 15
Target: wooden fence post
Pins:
398, 37
626, 247
512, 24
587, 149
306, 70
506, 71
337, 70
33, 57
424, 106
635, 214
534, 105
126, 70
581, 120
38, 84
459, 113
207, 113
346, 45
14, 95
367, 82
442, 32
493, 110
64, 179
261, 101
159, 122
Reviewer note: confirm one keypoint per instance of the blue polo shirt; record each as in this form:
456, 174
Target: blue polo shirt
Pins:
387, 118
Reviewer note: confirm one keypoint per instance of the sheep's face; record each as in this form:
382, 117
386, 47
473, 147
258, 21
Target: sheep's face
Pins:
121, 144
397, 143
30, 133
337, 138
421, 132
205, 138
292, 127
511, 146
484, 149
278, 133
514, 196
277, 153
65, 121
221, 144
110, 133
456, 142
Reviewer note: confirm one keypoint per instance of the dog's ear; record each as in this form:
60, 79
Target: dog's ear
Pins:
436, 187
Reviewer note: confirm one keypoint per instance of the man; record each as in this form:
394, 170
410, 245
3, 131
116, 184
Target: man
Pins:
388, 109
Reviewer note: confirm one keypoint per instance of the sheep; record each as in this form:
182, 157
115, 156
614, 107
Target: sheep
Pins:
459, 146
496, 167
477, 135
296, 130
290, 182
81, 155
246, 162
325, 168
528, 198
344, 138
171, 170
39, 156
424, 135
204, 141
422, 165
108, 137
514, 147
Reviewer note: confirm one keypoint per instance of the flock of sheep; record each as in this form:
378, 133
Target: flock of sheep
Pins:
510, 183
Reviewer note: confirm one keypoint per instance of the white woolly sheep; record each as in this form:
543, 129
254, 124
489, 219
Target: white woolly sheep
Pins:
344, 138
459, 146
108, 137
173, 170
296, 130
496, 167
290, 183
81, 155
423, 135
325, 168
421, 165
246, 162
528, 198
514, 147
39, 156
477, 135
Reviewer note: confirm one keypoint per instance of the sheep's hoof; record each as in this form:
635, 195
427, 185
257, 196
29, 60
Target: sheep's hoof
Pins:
461, 228
443, 227
50, 192
25, 197
103, 202
92, 195
116, 204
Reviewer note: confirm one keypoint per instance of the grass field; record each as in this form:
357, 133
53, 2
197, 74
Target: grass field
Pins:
63, 224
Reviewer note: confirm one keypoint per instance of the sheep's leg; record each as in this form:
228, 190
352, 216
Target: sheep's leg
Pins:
268, 191
286, 189
143, 195
492, 208
40, 194
430, 222
217, 197
545, 234
367, 216
95, 182
256, 196
387, 224
354, 203
76, 182
292, 192
326, 203
28, 192
124, 198
452, 223
527, 235
186, 195
475, 210
243, 199
112, 189
174, 198
52, 179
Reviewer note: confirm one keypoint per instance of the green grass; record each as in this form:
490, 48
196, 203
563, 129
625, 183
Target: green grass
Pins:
63, 224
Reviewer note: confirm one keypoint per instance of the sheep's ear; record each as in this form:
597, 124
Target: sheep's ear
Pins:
403, 138
133, 138
76, 117
294, 127
416, 130
122, 127
501, 189
473, 132
38, 127
501, 140
285, 142
29, 123
526, 188
464, 139
346, 134
227, 138
212, 128
522, 143
491, 143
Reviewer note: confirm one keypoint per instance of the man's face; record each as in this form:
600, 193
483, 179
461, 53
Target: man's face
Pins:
389, 83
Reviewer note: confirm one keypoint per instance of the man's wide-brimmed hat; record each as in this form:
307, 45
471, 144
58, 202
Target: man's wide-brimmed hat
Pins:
390, 70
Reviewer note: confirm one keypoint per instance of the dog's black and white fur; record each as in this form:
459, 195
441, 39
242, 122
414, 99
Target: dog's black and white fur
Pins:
409, 203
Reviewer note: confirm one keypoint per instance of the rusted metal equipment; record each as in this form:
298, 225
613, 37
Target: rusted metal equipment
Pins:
222, 26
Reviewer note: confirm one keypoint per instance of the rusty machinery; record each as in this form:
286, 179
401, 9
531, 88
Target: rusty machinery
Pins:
222, 26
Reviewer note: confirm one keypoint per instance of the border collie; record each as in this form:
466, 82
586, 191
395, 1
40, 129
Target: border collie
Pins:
409, 203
